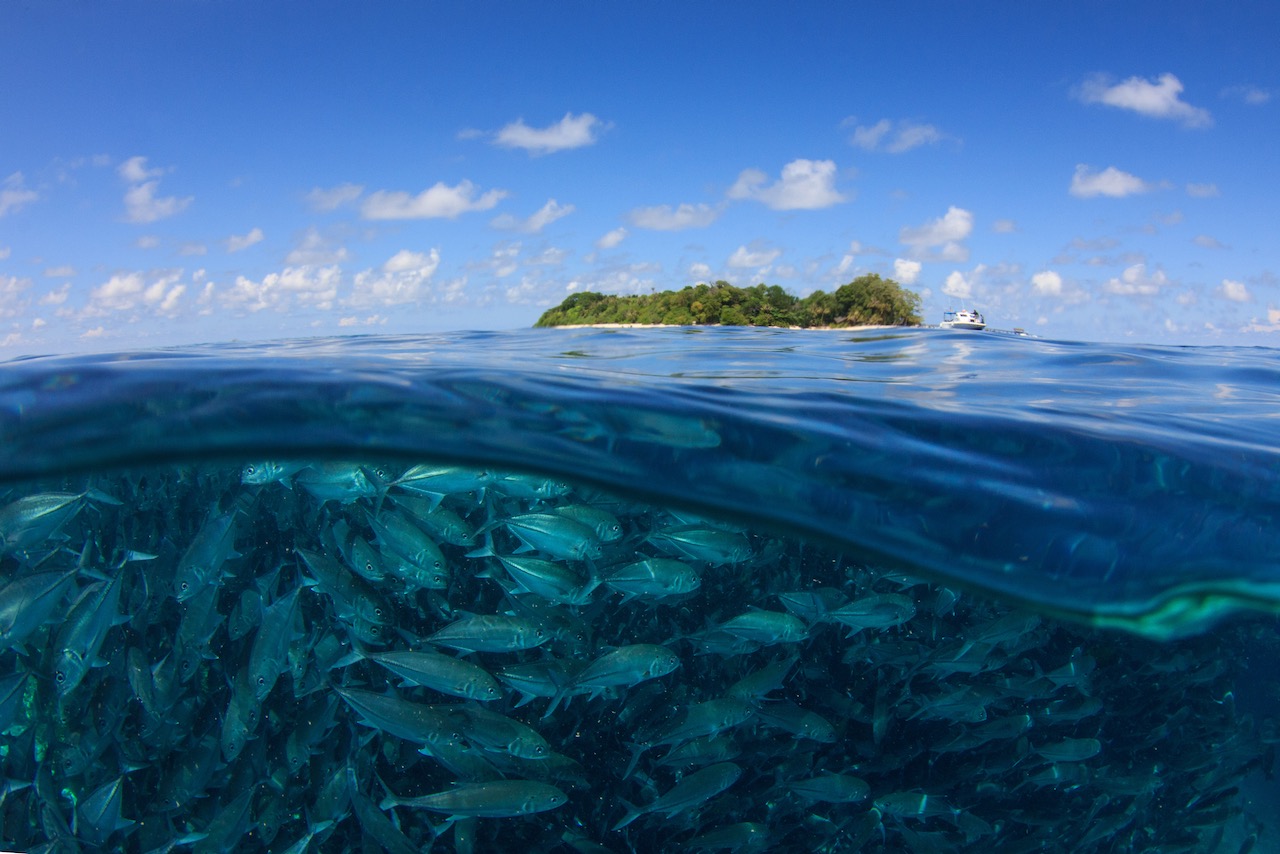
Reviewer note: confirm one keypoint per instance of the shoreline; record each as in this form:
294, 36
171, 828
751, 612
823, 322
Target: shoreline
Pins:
722, 326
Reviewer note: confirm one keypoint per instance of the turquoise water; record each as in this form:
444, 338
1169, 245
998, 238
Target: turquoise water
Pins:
1023, 592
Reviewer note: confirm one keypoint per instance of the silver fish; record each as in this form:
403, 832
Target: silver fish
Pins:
496, 799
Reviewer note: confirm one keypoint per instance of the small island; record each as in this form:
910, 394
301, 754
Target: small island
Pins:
866, 301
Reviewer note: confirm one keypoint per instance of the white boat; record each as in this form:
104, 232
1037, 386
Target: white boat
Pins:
965, 318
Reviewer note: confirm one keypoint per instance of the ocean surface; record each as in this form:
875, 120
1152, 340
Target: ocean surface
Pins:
641, 590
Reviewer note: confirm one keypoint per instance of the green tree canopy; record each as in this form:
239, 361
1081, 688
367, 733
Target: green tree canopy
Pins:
866, 301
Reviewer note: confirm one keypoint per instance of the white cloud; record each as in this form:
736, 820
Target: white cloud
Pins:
744, 257
323, 200
665, 218
1004, 226
315, 250
14, 195
547, 214
60, 272
135, 171
134, 291
142, 205
940, 239
193, 249
57, 296
1253, 95
404, 278
804, 185
570, 132
1159, 99
236, 242
958, 285
700, 271
1235, 291
1203, 191
906, 271
1134, 281
1109, 182
5, 252
896, 137
147, 241
304, 285
12, 302
548, 257
435, 202
1047, 283
612, 239
1207, 242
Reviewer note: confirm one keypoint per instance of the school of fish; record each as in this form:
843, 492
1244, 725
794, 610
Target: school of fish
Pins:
296, 656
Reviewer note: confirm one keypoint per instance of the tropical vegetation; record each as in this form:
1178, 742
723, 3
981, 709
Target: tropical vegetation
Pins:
866, 301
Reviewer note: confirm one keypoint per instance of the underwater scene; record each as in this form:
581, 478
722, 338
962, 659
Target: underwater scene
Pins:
641, 590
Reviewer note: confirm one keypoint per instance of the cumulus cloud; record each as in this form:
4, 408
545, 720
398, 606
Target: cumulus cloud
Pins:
439, 201
236, 242
744, 257
700, 271
1134, 281
141, 202
940, 238
14, 195
1235, 291
135, 171
323, 200
804, 185
547, 214
959, 285
158, 293
1203, 191
60, 272
906, 271
1004, 226
1086, 183
894, 137
315, 250
570, 132
404, 278
303, 285
612, 239
1160, 99
666, 218
1047, 283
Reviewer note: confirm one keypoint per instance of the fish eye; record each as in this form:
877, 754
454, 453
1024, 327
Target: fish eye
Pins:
183, 585
262, 680
377, 612
539, 750
537, 633
250, 469
368, 567
60, 676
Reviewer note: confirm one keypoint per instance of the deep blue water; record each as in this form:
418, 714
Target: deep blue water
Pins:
1132, 486
1032, 584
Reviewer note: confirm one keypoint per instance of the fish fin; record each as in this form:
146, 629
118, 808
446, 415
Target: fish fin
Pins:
487, 549
102, 498
637, 750
633, 813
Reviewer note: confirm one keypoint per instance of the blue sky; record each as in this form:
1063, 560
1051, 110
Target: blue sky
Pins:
185, 172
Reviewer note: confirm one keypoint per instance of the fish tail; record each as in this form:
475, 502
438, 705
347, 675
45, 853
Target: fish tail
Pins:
633, 813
